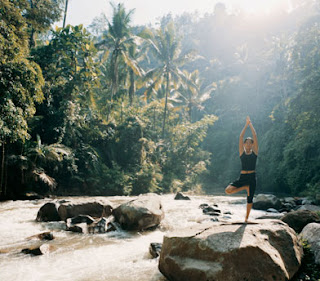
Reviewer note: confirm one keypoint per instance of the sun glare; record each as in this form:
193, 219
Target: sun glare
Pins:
262, 6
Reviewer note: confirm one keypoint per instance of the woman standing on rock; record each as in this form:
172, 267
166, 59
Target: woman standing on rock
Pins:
248, 151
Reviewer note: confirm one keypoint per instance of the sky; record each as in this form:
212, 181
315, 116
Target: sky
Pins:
148, 11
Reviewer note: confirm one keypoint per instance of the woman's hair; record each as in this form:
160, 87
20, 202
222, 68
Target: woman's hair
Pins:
248, 138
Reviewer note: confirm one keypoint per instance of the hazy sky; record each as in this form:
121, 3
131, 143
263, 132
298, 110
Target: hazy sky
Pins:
147, 11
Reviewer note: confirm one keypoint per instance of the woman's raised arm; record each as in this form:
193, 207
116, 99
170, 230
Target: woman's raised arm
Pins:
255, 146
241, 149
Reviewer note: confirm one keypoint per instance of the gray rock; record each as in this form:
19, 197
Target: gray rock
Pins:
268, 250
271, 216
313, 208
140, 214
299, 219
266, 201
155, 249
204, 205
272, 210
311, 232
98, 226
209, 210
180, 196
307, 201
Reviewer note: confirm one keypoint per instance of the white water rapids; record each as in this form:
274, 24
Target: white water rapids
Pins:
114, 256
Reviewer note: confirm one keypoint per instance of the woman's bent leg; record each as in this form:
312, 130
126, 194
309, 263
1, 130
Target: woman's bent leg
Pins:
230, 189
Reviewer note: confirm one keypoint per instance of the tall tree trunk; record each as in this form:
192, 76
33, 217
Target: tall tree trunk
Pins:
32, 41
165, 105
65, 14
2, 171
132, 87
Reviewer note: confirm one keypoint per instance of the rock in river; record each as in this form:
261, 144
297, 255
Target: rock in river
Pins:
266, 201
57, 211
268, 250
141, 213
299, 219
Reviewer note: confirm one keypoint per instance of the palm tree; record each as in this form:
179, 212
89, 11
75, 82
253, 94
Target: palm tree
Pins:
165, 46
118, 41
38, 155
65, 14
192, 93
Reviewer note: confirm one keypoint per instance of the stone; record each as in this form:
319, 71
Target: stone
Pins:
93, 209
82, 218
271, 216
204, 205
76, 228
272, 210
48, 212
299, 219
288, 207
266, 201
155, 249
62, 210
180, 196
142, 213
42, 236
32, 251
208, 210
313, 208
311, 233
98, 226
268, 250
111, 226
307, 201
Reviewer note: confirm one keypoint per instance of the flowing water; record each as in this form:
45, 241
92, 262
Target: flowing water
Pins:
119, 255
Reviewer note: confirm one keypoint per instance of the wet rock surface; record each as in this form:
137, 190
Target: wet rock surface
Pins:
267, 250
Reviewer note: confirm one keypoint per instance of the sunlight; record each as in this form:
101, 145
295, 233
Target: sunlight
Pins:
262, 6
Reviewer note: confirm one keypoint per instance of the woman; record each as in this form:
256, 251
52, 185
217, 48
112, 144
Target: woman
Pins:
248, 151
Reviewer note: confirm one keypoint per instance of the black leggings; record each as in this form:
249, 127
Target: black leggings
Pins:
247, 179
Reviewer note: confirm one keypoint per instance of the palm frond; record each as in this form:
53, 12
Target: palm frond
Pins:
41, 175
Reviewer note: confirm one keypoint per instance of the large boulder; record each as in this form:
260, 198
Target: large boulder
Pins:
141, 213
93, 209
299, 219
311, 233
48, 212
266, 201
268, 250
62, 210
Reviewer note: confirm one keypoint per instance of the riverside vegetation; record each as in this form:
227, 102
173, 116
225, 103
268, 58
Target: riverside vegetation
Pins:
117, 109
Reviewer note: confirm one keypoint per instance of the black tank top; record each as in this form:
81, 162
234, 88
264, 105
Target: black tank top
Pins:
248, 161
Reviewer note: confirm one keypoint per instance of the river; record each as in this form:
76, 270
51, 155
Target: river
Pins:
114, 256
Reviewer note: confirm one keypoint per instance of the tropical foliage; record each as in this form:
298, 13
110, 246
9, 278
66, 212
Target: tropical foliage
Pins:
133, 109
